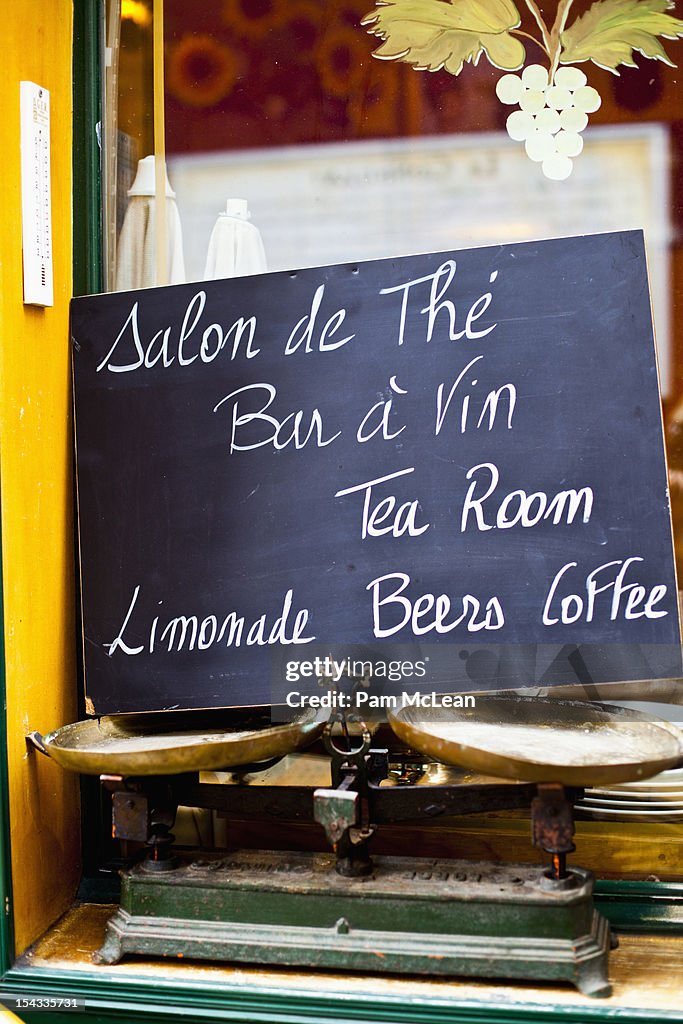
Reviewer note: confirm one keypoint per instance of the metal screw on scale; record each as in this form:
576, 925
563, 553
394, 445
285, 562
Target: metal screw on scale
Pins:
159, 857
552, 829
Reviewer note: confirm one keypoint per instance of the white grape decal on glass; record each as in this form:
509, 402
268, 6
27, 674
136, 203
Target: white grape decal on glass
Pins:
550, 103
550, 115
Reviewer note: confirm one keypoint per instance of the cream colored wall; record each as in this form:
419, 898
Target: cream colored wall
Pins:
36, 484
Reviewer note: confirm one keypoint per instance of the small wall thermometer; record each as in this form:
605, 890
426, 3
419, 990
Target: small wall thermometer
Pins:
36, 213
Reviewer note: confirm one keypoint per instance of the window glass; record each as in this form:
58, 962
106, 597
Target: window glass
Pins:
277, 114
341, 156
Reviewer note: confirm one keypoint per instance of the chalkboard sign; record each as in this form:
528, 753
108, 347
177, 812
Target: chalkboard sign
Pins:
457, 449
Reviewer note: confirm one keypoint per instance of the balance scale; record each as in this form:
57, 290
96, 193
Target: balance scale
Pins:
348, 909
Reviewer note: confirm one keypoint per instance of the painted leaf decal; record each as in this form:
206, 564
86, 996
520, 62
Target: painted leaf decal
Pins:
433, 34
611, 30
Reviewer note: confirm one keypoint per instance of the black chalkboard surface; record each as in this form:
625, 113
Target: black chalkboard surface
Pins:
456, 449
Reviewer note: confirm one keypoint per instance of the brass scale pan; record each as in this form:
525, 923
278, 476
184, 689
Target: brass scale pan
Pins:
172, 742
535, 739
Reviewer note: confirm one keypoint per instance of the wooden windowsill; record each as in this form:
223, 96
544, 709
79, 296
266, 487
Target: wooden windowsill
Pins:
645, 972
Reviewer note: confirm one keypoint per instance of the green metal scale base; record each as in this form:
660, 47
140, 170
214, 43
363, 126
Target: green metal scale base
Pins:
409, 916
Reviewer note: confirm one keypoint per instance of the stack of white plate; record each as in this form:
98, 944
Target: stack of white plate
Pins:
657, 799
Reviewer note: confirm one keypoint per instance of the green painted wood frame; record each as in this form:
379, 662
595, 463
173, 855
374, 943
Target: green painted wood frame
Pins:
637, 906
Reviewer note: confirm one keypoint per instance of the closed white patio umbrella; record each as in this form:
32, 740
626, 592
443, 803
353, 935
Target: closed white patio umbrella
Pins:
136, 259
235, 247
